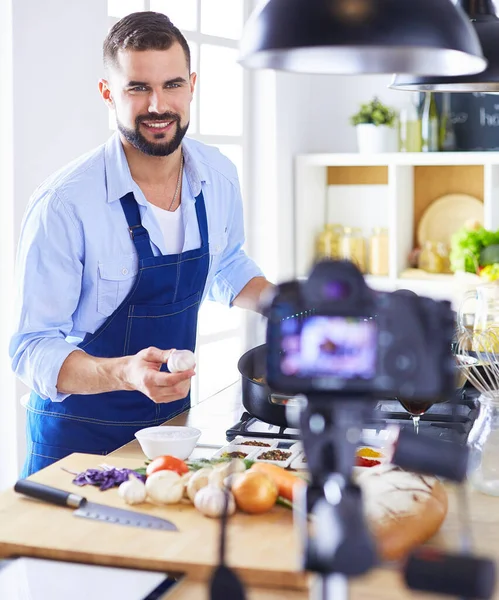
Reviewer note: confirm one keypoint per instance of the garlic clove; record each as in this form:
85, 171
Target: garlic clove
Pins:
181, 360
132, 491
210, 501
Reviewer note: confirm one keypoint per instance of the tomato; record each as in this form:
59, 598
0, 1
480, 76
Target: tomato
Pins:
167, 463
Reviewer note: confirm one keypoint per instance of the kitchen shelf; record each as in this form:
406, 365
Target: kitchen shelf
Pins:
390, 190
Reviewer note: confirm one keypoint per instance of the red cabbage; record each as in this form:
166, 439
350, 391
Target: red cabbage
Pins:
106, 479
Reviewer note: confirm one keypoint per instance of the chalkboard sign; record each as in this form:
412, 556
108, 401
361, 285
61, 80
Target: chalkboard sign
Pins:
475, 121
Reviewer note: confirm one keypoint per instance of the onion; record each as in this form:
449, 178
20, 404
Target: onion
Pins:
254, 492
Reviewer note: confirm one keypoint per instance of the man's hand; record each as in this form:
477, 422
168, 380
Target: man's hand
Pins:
82, 373
142, 372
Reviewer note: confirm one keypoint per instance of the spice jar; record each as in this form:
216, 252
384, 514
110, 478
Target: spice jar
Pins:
353, 247
378, 251
430, 259
327, 242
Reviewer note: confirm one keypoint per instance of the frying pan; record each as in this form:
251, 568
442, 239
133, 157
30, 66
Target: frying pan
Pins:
257, 397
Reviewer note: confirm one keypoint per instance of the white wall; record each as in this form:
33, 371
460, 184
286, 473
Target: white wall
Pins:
294, 114
313, 114
58, 115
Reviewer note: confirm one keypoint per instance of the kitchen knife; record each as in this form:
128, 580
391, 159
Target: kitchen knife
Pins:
91, 510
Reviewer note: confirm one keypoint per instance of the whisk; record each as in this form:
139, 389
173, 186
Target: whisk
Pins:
477, 357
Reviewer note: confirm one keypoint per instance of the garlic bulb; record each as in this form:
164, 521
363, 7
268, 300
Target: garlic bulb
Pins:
165, 487
220, 472
210, 501
231, 479
181, 360
185, 480
132, 491
197, 481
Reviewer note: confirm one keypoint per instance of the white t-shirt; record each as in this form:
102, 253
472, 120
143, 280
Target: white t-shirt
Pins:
172, 227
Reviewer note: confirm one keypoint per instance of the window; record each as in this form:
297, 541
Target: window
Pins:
217, 119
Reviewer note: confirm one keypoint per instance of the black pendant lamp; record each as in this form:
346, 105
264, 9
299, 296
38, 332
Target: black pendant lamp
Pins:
486, 23
427, 37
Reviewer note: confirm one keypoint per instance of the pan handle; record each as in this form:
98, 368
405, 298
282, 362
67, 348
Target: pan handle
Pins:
48, 494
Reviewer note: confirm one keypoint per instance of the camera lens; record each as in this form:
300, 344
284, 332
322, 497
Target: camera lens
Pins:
336, 290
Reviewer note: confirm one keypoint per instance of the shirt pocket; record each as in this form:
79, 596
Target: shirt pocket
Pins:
217, 243
114, 282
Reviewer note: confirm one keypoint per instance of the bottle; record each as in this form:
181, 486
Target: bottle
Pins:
429, 124
378, 251
410, 127
447, 135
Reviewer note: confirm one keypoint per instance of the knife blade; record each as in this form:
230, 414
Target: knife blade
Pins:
92, 510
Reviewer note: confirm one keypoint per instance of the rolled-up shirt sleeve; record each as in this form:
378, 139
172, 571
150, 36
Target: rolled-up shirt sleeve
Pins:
236, 269
48, 274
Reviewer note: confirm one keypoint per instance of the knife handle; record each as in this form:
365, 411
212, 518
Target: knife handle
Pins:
48, 494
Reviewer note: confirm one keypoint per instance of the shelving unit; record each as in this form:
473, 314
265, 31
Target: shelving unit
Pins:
391, 190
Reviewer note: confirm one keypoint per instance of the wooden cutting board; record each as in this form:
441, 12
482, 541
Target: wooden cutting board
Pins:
264, 549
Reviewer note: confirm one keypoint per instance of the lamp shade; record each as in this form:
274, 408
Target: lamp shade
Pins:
426, 37
486, 24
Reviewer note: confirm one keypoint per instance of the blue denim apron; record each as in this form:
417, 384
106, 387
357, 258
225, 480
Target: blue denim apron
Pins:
161, 310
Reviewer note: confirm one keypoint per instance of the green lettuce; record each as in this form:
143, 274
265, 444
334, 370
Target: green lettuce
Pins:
466, 245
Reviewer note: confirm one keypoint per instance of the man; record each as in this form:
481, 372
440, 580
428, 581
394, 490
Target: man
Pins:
116, 253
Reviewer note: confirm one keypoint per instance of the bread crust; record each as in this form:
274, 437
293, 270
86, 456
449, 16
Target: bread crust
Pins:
395, 537
400, 530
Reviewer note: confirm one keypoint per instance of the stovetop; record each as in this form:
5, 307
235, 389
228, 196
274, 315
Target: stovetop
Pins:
451, 421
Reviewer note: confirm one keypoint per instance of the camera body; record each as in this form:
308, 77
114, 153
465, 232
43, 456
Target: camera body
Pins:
332, 335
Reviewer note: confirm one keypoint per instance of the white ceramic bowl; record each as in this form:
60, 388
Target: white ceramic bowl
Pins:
172, 440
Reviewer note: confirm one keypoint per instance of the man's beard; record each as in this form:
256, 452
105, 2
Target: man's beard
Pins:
138, 141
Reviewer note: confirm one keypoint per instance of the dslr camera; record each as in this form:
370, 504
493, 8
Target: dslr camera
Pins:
332, 335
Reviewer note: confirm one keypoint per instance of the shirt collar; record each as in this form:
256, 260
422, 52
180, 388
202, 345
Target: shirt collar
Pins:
119, 181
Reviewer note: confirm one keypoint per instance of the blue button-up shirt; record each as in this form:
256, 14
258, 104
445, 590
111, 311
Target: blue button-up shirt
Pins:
76, 261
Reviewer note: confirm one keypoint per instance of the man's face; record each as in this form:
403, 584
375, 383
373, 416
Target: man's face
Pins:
151, 92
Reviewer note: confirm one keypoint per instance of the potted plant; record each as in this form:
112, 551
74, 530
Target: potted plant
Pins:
375, 126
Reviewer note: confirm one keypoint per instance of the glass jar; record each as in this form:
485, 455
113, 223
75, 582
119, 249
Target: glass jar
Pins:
483, 442
378, 251
327, 242
430, 259
353, 247
444, 252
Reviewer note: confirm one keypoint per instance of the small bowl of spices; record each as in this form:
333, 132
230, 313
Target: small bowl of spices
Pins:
236, 451
275, 456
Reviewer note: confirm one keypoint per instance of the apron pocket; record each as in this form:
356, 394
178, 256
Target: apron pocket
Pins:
114, 282
169, 326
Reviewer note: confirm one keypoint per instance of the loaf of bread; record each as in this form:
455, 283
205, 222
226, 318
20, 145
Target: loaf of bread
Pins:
402, 509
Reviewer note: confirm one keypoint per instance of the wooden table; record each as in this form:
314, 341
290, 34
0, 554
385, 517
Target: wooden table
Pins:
264, 550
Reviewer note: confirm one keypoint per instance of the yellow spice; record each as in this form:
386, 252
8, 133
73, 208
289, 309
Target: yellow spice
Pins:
369, 453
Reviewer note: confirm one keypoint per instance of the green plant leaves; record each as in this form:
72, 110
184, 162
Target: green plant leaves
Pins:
374, 113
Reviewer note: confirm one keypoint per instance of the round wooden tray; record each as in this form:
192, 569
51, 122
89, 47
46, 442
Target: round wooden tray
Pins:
446, 215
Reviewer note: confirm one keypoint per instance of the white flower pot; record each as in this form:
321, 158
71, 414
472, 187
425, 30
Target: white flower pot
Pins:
372, 139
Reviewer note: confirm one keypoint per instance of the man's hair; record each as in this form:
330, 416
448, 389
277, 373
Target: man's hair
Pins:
145, 30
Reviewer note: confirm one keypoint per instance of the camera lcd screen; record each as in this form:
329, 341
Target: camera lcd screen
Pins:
322, 346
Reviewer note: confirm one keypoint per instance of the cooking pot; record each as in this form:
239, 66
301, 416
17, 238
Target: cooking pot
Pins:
257, 396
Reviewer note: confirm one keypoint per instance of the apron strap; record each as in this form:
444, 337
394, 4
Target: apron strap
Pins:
138, 233
202, 220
